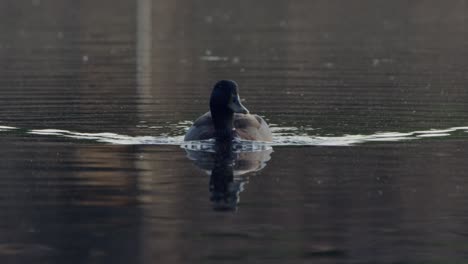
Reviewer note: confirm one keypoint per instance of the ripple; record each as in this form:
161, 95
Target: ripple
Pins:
213, 58
7, 128
286, 137
111, 138
238, 146
282, 136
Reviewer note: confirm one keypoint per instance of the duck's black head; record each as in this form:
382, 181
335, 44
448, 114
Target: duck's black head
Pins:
224, 102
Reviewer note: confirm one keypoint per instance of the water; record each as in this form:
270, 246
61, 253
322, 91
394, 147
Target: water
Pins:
366, 101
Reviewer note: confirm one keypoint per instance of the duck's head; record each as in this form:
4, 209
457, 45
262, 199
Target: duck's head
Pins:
224, 102
225, 99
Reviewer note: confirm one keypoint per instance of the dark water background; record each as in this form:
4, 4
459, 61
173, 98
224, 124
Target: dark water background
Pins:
318, 70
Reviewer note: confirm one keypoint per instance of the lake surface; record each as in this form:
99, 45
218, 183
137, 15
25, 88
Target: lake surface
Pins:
368, 102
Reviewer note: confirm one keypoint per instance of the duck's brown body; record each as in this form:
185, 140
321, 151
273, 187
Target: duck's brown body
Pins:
245, 126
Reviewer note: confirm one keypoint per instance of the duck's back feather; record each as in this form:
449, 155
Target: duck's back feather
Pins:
248, 127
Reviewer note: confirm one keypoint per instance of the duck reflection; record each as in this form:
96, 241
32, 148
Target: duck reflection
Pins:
228, 164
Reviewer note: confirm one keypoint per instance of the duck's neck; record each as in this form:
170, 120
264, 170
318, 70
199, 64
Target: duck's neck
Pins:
223, 123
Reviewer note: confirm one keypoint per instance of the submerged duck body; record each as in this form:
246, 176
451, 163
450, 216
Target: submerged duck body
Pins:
228, 119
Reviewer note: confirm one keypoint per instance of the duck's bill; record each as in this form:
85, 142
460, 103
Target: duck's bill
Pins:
237, 107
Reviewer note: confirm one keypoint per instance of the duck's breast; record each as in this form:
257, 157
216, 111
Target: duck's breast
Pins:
252, 127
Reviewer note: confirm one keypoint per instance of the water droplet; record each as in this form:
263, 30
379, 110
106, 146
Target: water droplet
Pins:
375, 62
22, 33
209, 19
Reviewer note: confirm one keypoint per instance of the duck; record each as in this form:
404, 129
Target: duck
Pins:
228, 119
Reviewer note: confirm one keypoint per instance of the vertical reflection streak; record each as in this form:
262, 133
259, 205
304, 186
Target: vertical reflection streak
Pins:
143, 51
143, 65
